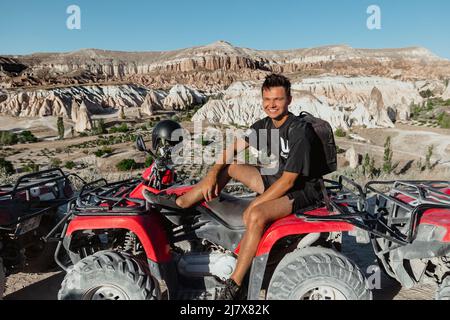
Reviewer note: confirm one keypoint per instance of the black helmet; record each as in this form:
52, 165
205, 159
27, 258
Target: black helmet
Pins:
163, 131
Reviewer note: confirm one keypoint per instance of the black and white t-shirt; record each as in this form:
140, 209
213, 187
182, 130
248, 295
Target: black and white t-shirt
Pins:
296, 151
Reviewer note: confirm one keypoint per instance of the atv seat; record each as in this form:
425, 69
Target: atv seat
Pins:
230, 209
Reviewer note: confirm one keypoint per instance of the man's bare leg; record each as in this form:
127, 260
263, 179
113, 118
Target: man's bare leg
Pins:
246, 174
256, 221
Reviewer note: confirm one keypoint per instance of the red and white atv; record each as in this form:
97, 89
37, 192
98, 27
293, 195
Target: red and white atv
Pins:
122, 247
409, 227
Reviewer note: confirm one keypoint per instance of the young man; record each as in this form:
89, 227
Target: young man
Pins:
292, 187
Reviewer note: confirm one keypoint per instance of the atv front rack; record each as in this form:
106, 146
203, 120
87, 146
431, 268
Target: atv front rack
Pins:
102, 198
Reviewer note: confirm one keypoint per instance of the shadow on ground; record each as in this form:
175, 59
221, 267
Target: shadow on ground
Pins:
46, 289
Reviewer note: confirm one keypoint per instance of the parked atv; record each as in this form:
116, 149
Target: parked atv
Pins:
409, 227
29, 210
123, 247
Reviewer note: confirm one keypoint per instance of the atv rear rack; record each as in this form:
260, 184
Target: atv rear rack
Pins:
348, 201
24, 195
392, 216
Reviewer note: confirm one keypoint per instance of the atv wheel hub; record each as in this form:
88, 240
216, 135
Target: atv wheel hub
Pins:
323, 293
106, 292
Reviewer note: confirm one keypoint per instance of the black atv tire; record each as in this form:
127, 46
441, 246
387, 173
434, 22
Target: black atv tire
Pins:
2, 279
317, 274
443, 291
109, 275
41, 256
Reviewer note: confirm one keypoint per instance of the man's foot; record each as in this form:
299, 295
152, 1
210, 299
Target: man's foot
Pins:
167, 201
229, 292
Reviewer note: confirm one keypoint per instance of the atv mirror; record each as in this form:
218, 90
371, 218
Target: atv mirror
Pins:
140, 144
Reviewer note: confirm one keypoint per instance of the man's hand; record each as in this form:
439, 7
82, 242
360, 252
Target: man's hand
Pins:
210, 187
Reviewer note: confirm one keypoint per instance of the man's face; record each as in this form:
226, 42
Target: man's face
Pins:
276, 102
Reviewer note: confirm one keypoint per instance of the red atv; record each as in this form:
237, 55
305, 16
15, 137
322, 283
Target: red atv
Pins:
408, 224
122, 247
29, 209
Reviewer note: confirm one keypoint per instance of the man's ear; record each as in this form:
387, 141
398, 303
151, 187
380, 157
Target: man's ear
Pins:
289, 100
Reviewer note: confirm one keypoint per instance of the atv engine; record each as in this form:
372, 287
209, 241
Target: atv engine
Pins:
205, 259
199, 265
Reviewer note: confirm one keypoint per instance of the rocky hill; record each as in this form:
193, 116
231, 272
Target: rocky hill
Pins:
216, 66
344, 85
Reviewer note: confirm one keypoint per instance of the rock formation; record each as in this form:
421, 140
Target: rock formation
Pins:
342, 101
353, 158
84, 121
446, 93
181, 98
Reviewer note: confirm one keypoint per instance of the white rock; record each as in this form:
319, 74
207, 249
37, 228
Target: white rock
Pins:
353, 158
84, 121
446, 94
342, 101
153, 101
181, 97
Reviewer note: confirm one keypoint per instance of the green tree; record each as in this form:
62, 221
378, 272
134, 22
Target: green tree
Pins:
388, 167
7, 166
428, 156
60, 125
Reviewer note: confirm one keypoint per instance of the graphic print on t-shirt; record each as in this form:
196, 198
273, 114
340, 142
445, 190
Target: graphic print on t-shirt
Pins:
284, 148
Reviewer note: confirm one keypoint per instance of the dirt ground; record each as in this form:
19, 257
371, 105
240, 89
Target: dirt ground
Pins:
45, 286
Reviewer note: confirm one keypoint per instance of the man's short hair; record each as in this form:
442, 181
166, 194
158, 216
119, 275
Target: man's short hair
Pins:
277, 80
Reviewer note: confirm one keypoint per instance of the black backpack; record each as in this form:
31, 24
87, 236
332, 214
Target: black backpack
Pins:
326, 144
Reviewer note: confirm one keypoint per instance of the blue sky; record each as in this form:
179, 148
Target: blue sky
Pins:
138, 25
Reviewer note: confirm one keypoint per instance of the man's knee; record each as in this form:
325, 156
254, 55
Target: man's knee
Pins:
182, 202
255, 218
233, 170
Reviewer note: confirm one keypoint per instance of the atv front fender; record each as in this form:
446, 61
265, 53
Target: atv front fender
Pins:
148, 228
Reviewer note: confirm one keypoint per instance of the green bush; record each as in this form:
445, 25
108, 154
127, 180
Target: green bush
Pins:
123, 128
148, 161
31, 167
7, 166
340, 133
101, 152
339, 150
55, 163
426, 94
99, 127
26, 136
8, 138
70, 165
444, 120
126, 165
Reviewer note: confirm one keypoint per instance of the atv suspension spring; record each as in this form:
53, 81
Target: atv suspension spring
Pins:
129, 243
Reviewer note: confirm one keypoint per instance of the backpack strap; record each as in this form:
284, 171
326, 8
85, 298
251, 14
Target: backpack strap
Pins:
326, 198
